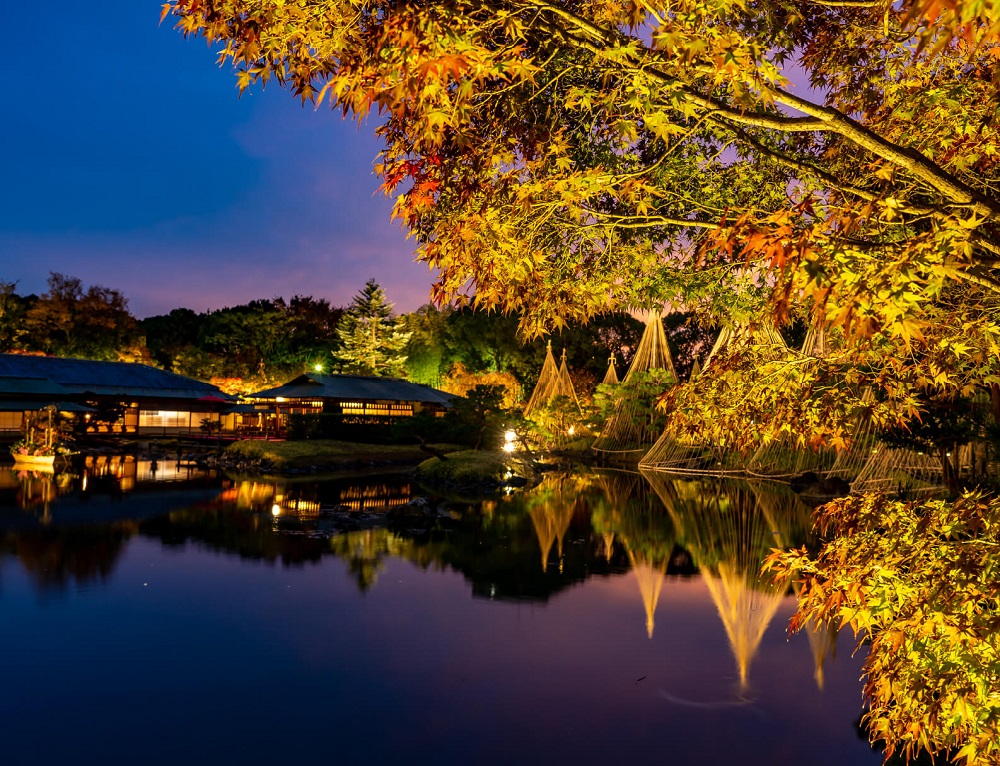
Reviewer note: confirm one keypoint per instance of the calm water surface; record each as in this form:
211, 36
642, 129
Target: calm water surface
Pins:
163, 617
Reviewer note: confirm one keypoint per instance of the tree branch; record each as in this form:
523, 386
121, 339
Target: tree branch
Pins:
849, 3
818, 118
826, 178
978, 277
647, 221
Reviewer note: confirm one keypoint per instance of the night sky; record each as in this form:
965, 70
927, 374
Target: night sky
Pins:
129, 161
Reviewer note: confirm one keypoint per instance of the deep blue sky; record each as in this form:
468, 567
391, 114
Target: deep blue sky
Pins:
128, 161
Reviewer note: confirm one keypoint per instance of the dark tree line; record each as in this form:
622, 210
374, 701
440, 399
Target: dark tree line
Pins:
245, 347
69, 320
268, 341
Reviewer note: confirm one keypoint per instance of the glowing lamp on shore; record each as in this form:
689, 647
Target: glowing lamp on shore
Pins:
510, 440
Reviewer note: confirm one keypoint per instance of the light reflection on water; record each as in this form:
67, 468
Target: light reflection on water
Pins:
610, 619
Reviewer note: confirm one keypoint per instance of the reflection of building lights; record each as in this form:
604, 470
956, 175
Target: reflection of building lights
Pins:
275, 510
509, 447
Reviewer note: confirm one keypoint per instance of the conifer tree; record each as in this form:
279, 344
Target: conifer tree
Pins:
372, 339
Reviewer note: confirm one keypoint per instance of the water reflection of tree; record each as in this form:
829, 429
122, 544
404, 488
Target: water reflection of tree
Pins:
630, 513
493, 544
729, 527
55, 557
248, 535
365, 552
497, 545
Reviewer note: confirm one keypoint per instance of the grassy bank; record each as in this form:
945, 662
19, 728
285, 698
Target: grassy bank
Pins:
466, 468
328, 453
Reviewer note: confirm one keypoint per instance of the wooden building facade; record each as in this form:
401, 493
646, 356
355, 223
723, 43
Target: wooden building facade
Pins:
359, 398
109, 397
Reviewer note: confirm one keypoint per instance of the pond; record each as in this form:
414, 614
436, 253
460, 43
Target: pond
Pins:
165, 616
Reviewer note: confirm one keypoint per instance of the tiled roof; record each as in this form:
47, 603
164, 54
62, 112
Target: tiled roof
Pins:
78, 376
35, 405
360, 387
16, 386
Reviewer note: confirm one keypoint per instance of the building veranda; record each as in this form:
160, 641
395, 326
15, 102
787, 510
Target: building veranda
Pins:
110, 397
354, 399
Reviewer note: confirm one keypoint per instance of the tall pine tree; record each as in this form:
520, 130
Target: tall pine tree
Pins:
372, 340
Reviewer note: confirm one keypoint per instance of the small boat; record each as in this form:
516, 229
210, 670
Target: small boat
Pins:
42, 444
35, 462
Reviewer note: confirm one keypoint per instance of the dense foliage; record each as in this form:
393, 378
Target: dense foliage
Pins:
488, 342
70, 320
920, 583
246, 347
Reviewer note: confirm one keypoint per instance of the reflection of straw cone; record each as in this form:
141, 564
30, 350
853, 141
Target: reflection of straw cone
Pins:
609, 544
790, 519
650, 579
645, 530
728, 531
552, 518
823, 643
745, 612
621, 486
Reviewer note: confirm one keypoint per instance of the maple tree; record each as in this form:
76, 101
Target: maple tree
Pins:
460, 380
562, 159
918, 583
